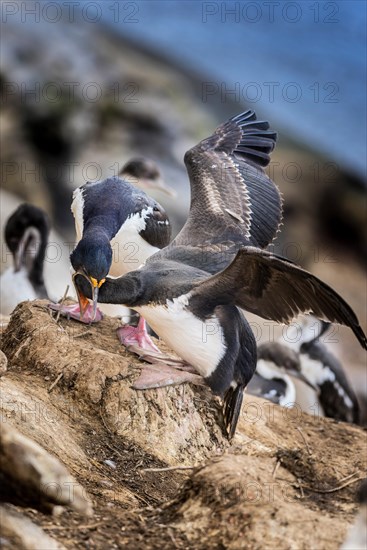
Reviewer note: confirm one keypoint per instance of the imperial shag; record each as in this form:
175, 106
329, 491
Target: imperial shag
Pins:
198, 317
145, 174
303, 372
117, 228
277, 367
26, 235
335, 396
190, 292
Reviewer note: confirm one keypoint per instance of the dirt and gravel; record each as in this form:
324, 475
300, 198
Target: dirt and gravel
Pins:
156, 465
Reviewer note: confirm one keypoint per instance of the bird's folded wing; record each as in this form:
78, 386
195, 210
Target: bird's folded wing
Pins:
276, 289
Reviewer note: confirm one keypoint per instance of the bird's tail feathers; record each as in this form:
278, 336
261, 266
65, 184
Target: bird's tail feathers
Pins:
231, 408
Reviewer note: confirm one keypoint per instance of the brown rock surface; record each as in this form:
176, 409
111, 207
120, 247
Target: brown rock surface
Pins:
287, 480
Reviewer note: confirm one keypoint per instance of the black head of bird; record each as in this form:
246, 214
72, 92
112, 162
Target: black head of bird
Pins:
114, 212
92, 259
26, 235
145, 174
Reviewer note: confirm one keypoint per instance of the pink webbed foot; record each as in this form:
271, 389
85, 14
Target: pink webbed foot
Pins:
164, 370
73, 312
137, 336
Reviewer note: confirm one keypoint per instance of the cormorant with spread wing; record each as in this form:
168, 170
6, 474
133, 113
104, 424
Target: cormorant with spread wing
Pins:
190, 292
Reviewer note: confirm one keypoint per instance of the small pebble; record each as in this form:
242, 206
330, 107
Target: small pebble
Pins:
57, 511
107, 483
110, 463
3, 362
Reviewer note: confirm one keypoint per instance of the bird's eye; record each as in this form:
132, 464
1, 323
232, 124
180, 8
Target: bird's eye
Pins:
156, 209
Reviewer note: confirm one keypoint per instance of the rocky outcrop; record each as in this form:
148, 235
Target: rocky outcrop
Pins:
158, 469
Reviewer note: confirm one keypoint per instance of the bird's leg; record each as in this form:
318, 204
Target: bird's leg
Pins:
163, 369
137, 336
74, 312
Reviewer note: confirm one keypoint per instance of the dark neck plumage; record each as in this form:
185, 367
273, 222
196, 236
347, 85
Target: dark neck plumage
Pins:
36, 272
35, 264
125, 290
97, 234
96, 238
103, 228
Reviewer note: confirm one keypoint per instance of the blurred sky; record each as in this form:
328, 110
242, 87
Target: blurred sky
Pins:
302, 64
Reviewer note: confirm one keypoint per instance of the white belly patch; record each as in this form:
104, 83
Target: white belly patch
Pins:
14, 288
200, 343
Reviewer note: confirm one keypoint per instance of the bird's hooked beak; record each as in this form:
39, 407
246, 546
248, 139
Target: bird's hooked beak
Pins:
302, 377
83, 300
96, 285
27, 249
158, 184
18, 256
150, 183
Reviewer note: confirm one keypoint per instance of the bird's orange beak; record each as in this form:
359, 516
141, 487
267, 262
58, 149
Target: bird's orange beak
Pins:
83, 300
96, 285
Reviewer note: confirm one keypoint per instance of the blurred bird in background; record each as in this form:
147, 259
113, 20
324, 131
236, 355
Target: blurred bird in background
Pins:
233, 217
302, 372
26, 235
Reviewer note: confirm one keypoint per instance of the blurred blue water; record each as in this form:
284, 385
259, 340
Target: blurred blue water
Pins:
301, 64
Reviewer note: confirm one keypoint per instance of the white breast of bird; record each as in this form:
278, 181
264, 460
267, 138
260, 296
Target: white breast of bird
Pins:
200, 343
15, 287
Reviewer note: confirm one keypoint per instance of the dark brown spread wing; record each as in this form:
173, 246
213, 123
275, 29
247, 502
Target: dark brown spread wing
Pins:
232, 199
276, 289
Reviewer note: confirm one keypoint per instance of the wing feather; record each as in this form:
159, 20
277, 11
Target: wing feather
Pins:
232, 199
276, 289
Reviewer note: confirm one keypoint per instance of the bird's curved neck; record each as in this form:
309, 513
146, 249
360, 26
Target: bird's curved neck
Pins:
97, 231
101, 228
126, 290
31, 255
